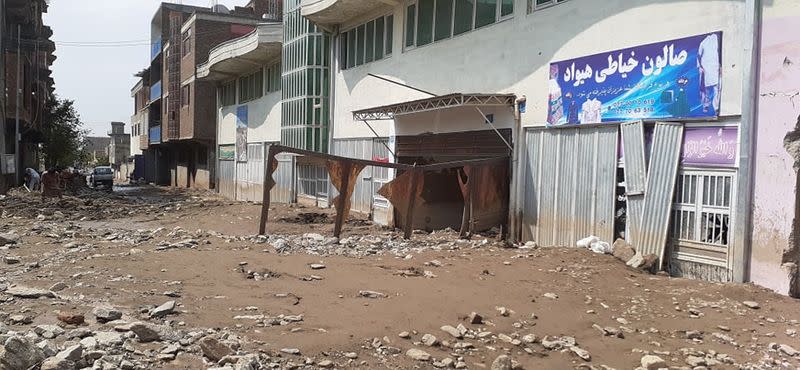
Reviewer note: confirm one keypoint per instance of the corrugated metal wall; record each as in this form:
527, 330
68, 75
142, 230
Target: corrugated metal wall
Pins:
635, 175
284, 176
244, 181
570, 181
250, 174
664, 158
226, 172
363, 193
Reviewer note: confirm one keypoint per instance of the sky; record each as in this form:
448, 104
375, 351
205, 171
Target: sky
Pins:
99, 79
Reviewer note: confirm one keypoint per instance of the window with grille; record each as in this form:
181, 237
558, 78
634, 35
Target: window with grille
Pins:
185, 90
227, 94
186, 43
367, 42
429, 21
251, 87
701, 211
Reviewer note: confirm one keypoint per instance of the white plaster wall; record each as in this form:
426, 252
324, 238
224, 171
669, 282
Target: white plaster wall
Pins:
264, 120
774, 191
513, 56
135, 147
465, 119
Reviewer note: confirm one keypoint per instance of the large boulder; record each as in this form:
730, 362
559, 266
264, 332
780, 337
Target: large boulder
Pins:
18, 353
623, 250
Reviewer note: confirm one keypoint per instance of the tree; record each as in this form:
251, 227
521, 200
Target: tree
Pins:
63, 134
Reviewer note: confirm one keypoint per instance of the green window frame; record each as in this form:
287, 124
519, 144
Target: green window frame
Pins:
367, 42
429, 21
534, 5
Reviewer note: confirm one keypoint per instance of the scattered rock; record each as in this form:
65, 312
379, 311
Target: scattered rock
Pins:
59, 286
580, 352
557, 343
752, 304
652, 362
32, 293
163, 310
429, 340
418, 354
316, 266
57, 364
788, 350
404, 335
19, 353
551, 295
291, 351
71, 318
502, 362
475, 318
72, 353
452, 331
623, 250
8, 238
214, 349
106, 314
695, 361
371, 294
145, 332
11, 260
48, 331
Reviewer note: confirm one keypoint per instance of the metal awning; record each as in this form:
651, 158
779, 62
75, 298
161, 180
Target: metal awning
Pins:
388, 112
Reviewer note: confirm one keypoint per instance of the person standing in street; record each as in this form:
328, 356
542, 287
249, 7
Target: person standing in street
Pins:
32, 179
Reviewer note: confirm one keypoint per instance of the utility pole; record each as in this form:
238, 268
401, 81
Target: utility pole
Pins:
16, 126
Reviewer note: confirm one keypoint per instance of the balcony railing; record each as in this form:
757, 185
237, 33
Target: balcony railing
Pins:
155, 134
155, 91
155, 49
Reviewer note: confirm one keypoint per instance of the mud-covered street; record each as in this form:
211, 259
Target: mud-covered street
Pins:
154, 278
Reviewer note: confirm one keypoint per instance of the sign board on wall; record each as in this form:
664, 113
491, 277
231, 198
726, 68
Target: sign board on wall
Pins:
710, 146
707, 146
665, 80
227, 152
241, 133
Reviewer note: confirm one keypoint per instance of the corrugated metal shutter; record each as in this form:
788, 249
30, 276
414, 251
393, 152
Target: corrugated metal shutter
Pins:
635, 175
250, 175
569, 184
661, 178
361, 200
226, 170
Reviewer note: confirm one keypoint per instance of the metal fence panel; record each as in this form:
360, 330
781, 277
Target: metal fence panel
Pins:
226, 171
569, 184
635, 175
661, 178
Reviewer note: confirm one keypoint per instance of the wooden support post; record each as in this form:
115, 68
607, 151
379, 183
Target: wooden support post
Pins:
270, 166
412, 198
344, 197
466, 214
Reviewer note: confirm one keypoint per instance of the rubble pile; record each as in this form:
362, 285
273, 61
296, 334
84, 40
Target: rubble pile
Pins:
89, 204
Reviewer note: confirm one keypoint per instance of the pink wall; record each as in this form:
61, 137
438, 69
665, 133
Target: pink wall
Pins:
774, 193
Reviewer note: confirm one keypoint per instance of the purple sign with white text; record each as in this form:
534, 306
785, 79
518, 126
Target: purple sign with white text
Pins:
709, 146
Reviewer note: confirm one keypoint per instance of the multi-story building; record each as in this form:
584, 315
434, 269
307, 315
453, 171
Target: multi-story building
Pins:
561, 87
180, 110
119, 146
454, 79
26, 85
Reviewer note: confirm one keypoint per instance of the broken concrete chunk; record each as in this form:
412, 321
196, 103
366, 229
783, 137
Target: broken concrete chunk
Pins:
106, 314
371, 294
417, 354
214, 349
32, 293
652, 362
163, 310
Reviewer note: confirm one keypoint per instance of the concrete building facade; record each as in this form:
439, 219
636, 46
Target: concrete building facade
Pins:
26, 85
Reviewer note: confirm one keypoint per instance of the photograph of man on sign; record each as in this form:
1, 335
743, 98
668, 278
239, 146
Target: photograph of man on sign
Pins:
709, 65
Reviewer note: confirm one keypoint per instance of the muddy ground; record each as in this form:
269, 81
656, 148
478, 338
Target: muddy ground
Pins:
298, 298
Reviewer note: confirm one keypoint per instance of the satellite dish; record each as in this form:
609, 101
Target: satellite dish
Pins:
219, 8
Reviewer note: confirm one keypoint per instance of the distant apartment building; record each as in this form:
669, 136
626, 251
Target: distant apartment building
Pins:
119, 146
175, 113
96, 148
25, 84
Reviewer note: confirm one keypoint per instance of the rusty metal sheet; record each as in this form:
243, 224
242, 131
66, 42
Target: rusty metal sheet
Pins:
343, 175
489, 195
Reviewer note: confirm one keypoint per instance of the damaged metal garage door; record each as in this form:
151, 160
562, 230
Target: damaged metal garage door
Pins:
570, 179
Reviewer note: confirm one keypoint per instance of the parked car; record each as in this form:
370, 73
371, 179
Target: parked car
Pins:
102, 175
